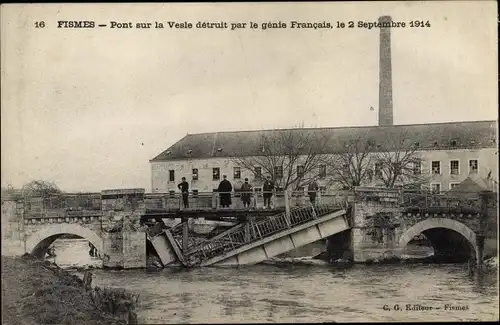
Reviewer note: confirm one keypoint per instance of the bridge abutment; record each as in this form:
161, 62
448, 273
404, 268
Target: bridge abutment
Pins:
124, 239
376, 224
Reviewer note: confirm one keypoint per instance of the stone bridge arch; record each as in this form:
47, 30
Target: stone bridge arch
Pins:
38, 242
445, 223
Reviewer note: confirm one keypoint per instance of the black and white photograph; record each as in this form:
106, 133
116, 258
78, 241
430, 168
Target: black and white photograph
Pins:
249, 162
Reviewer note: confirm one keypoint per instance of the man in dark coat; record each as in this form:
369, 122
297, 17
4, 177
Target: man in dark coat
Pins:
246, 193
224, 190
184, 187
312, 189
268, 188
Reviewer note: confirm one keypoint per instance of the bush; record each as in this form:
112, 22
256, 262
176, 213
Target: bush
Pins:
118, 302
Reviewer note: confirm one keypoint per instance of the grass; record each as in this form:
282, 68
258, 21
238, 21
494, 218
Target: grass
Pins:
38, 292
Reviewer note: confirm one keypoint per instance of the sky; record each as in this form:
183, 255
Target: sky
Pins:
88, 108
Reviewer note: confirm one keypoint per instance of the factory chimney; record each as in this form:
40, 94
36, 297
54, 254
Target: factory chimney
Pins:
385, 115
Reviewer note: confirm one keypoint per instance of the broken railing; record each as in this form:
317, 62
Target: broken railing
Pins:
254, 231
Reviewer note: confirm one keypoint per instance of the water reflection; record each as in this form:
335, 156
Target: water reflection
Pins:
73, 253
185, 299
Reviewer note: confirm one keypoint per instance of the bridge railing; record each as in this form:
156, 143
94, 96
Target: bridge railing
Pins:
68, 204
214, 200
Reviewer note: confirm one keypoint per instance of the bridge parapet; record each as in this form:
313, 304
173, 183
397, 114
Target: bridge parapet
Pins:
117, 204
451, 201
61, 206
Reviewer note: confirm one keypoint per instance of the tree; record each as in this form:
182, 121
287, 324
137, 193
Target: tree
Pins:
395, 163
40, 188
353, 166
291, 157
11, 192
400, 163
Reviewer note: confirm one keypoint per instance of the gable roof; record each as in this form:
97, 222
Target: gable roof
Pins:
436, 136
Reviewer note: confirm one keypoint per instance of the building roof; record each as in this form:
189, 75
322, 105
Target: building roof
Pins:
436, 136
475, 184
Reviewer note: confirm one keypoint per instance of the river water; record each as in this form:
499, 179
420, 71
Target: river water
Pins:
299, 290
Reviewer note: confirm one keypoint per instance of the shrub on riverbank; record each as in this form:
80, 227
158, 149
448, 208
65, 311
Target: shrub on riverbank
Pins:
35, 291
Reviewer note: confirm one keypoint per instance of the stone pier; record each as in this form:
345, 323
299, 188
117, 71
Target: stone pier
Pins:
124, 239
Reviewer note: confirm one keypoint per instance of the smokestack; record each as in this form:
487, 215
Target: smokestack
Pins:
385, 75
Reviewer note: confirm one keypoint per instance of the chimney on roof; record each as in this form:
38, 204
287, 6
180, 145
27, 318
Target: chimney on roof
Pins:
385, 115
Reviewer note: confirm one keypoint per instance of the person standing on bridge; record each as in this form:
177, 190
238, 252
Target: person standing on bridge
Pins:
224, 190
246, 191
184, 187
312, 189
268, 188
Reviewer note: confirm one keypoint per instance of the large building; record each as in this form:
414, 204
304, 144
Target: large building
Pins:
450, 152
447, 152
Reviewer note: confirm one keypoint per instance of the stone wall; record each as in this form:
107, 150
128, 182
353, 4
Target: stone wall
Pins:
120, 204
12, 235
113, 250
134, 249
124, 249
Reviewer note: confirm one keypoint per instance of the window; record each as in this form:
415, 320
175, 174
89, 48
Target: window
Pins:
322, 190
417, 168
473, 166
436, 167
278, 172
236, 172
216, 173
258, 172
454, 167
436, 188
453, 185
171, 175
369, 175
300, 171
378, 170
195, 174
171, 193
322, 171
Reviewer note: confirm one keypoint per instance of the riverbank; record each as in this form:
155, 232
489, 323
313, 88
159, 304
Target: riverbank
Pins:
38, 292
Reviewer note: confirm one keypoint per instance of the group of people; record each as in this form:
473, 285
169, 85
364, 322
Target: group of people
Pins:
225, 188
